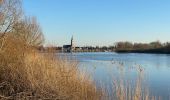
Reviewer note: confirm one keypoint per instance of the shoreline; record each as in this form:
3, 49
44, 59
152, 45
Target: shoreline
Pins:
148, 51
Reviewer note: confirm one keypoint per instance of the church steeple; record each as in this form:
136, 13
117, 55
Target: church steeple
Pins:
72, 41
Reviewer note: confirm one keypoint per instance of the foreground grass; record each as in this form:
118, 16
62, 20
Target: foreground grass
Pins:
27, 74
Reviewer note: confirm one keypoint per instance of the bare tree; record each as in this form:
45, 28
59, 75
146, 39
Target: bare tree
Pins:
12, 22
29, 31
10, 13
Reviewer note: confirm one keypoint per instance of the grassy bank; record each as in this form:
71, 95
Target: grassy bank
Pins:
27, 74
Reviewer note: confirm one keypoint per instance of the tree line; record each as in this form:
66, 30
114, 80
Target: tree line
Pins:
153, 47
140, 46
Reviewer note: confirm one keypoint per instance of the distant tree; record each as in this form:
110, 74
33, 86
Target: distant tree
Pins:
141, 46
111, 48
97, 47
29, 31
166, 45
104, 47
156, 44
120, 45
124, 45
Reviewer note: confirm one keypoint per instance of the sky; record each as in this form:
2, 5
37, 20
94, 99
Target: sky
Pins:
101, 22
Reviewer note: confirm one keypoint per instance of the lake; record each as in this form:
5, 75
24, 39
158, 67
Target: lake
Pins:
106, 67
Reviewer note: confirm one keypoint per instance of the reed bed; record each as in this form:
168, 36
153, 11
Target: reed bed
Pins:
26, 74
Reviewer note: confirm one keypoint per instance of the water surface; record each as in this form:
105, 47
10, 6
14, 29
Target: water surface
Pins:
105, 67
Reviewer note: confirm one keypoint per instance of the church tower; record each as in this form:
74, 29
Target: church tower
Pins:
72, 45
71, 41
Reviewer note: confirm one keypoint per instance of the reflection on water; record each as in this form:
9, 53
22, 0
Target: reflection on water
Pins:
108, 66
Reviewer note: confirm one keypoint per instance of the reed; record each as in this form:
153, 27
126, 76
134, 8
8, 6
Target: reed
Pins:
27, 74
132, 89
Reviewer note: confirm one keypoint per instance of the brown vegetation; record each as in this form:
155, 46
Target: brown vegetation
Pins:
25, 73
125, 90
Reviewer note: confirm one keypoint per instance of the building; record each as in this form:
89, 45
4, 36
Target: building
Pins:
68, 48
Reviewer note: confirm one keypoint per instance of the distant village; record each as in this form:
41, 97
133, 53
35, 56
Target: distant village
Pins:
72, 48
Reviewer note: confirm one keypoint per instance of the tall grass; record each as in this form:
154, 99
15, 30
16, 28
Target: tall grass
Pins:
27, 74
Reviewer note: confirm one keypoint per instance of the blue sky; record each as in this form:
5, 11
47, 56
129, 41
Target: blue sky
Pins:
101, 22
